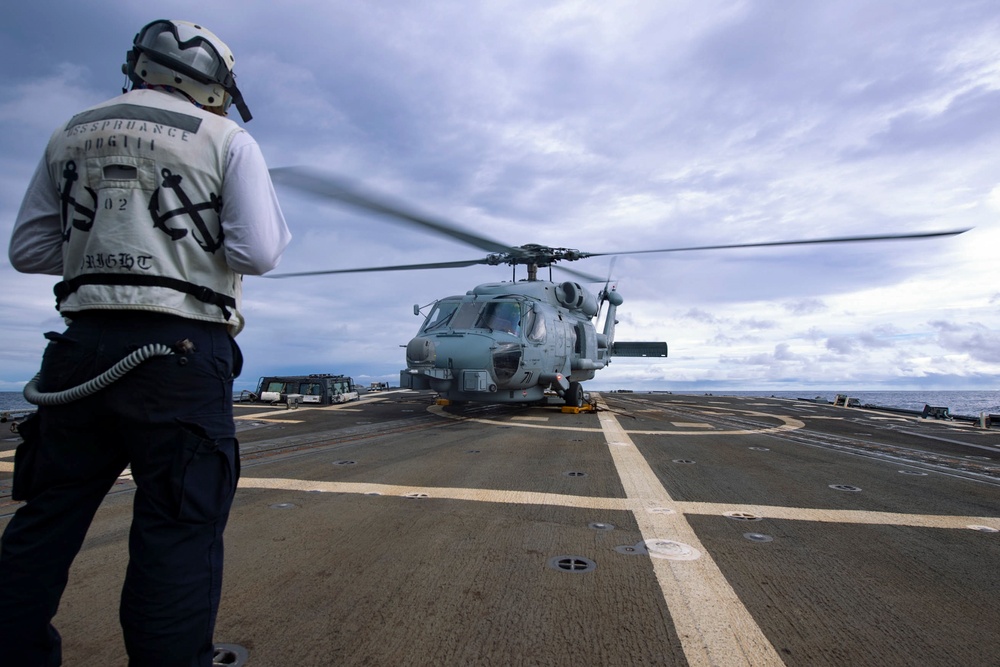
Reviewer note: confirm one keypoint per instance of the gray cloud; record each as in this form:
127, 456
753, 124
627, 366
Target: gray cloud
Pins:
699, 315
805, 306
946, 327
782, 353
758, 324
977, 341
841, 344
582, 125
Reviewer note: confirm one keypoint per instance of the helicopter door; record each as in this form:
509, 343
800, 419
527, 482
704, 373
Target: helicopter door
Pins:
533, 333
586, 341
559, 345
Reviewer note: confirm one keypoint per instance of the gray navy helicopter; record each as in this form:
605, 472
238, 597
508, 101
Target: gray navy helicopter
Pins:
518, 341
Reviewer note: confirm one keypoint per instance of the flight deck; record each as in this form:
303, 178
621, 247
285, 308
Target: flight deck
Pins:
662, 529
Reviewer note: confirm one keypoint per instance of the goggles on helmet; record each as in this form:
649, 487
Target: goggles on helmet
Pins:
196, 57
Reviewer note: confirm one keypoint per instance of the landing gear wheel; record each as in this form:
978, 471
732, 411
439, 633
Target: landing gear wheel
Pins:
574, 395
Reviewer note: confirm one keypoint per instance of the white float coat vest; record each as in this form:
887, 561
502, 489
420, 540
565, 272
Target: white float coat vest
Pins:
140, 183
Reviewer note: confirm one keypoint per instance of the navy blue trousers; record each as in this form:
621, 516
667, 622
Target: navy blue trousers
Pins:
171, 419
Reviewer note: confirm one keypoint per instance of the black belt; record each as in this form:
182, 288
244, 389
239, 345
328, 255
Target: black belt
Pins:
66, 287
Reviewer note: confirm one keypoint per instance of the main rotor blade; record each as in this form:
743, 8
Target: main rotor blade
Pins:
836, 239
590, 278
370, 269
331, 187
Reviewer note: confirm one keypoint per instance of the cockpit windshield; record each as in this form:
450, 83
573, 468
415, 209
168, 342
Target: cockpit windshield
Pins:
441, 315
496, 315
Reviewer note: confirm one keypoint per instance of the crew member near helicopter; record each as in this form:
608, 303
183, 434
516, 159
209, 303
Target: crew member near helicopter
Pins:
151, 206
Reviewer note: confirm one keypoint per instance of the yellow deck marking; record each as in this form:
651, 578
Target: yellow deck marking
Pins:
531, 419
477, 495
625, 504
691, 425
7, 455
6, 467
790, 424
269, 415
439, 411
259, 406
242, 415
260, 418
713, 625
349, 406
839, 516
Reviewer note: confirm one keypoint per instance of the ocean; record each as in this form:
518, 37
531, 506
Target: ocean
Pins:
966, 403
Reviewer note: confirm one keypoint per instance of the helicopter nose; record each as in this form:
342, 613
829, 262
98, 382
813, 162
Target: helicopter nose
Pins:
420, 351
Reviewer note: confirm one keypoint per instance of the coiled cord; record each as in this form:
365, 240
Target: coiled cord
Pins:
35, 397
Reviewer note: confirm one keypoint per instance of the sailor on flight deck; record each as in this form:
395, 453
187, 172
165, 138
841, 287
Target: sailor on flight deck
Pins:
151, 206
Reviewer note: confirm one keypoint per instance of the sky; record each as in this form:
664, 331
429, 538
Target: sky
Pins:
602, 126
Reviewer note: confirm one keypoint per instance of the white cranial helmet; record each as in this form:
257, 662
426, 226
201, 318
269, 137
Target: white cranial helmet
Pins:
188, 57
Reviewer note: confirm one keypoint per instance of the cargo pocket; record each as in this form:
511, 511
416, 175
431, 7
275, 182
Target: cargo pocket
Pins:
65, 363
25, 482
205, 474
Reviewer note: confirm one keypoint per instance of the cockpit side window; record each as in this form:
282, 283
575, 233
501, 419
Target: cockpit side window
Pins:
527, 319
537, 331
501, 316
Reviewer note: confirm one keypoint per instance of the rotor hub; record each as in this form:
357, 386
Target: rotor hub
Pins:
533, 254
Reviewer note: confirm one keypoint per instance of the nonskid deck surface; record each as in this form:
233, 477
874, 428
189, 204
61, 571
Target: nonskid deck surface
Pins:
663, 530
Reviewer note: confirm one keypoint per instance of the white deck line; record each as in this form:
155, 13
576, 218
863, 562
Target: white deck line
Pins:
713, 625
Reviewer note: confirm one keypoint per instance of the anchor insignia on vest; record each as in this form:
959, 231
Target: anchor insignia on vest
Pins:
173, 182
66, 197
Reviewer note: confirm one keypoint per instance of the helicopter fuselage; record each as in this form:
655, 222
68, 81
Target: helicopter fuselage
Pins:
510, 343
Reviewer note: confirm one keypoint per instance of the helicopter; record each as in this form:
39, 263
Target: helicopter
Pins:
514, 342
